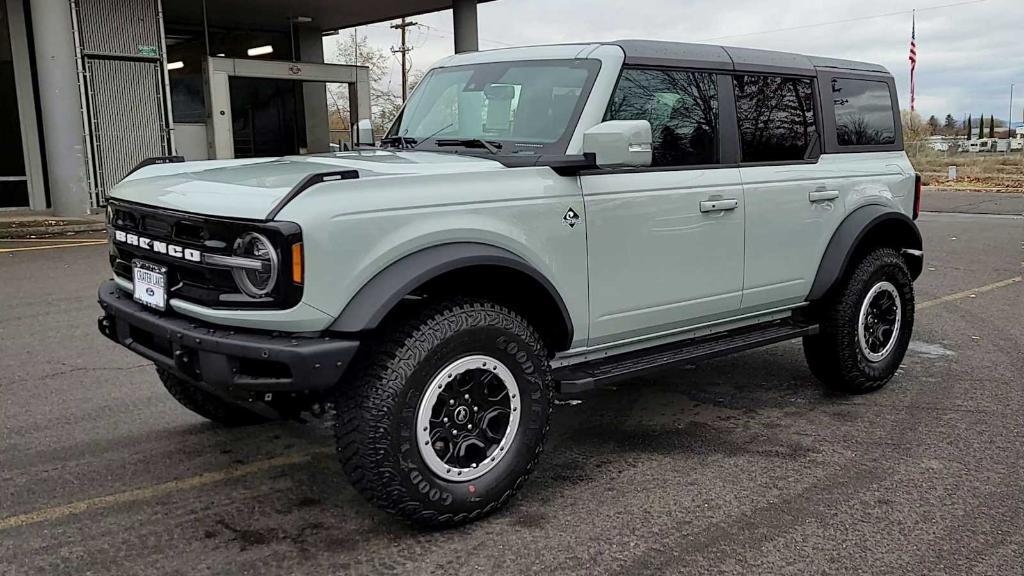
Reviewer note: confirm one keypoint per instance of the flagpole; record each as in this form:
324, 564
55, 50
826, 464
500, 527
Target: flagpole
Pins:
913, 58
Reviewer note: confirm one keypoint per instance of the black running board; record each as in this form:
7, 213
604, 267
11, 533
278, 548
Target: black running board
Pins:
580, 377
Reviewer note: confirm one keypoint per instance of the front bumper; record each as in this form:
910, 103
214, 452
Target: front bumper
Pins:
236, 362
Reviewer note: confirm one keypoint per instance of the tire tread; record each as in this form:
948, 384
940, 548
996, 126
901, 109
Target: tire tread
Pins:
364, 408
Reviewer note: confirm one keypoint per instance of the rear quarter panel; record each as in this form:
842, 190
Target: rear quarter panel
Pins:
353, 230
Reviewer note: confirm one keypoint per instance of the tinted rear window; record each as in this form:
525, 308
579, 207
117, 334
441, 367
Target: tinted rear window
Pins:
776, 118
864, 115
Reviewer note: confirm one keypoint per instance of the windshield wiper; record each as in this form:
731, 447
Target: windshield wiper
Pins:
491, 147
402, 141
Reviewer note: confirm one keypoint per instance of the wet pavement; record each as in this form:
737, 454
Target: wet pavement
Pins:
740, 465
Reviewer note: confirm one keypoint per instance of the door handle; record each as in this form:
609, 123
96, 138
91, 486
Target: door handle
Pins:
820, 195
719, 205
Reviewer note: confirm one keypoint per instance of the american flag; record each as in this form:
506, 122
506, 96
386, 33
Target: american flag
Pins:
913, 57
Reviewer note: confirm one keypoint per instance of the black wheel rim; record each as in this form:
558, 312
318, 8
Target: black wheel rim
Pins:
879, 321
467, 417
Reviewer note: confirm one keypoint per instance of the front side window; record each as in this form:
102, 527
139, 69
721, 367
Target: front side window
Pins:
864, 115
776, 118
682, 108
524, 107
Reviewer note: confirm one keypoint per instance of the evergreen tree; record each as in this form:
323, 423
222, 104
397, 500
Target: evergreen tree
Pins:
950, 125
991, 126
967, 127
933, 124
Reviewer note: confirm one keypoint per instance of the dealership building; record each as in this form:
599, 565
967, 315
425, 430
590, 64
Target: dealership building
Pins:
89, 88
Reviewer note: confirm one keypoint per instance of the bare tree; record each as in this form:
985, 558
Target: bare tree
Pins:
385, 101
914, 128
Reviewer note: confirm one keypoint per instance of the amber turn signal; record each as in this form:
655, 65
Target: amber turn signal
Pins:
297, 263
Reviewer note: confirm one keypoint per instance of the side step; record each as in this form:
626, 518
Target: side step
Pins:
587, 375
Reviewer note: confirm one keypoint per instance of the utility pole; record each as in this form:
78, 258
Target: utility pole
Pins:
1009, 123
355, 46
404, 50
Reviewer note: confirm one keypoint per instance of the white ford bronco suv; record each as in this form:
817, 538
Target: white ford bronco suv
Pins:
536, 220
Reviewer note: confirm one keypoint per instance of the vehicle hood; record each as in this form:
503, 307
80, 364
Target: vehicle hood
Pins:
251, 188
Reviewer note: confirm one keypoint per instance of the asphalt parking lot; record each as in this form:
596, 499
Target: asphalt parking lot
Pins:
740, 465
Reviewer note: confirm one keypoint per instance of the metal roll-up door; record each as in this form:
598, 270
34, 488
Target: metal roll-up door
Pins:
125, 86
126, 105
118, 27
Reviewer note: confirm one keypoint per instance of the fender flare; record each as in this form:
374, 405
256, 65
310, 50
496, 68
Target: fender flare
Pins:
854, 229
380, 295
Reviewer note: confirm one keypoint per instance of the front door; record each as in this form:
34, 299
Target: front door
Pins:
665, 244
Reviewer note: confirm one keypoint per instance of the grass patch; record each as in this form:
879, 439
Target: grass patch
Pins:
995, 171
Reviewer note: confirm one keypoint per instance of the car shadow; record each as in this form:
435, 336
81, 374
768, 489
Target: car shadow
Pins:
732, 407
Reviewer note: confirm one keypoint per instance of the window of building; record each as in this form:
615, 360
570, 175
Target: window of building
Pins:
864, 115
682, 108
13, 181
776, 118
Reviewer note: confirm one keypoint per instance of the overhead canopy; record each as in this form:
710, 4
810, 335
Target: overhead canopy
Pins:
325, 14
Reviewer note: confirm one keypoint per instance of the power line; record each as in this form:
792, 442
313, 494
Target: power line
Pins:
444, 32
846, 21
449, 33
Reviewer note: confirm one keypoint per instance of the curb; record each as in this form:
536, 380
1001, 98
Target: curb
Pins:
11, 233
1009, 191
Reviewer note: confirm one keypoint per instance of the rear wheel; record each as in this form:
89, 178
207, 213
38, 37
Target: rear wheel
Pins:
866, 327
207, 405
449, 414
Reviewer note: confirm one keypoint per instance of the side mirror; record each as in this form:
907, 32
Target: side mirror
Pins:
364, 133
619, 143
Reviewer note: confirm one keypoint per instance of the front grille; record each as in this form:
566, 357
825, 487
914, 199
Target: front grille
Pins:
196, 282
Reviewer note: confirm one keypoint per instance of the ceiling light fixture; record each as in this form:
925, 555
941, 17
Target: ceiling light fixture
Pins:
260, 50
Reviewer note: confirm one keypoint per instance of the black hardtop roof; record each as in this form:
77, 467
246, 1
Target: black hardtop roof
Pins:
713, 57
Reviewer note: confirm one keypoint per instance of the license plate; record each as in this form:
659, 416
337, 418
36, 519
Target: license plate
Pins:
150, 284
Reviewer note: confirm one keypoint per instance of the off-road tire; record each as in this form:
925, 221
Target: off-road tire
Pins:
376, 414
834, 355
207, 405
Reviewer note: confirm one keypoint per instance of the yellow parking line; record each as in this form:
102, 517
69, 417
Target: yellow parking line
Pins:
57, 512
102, 502
969, 293
27, 248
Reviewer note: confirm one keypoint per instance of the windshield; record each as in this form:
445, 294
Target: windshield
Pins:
520, 107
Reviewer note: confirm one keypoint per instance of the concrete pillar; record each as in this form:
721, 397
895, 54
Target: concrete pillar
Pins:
359, 102
60, 105
314, 94
464, 24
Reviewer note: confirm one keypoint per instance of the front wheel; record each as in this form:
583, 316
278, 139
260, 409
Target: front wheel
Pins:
449, 414
866, 326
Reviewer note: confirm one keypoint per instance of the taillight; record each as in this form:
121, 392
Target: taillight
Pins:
917, 195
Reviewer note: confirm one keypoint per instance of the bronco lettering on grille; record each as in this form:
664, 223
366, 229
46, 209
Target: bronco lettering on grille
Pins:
157, 246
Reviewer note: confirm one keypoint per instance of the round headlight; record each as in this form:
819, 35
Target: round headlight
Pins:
256, 283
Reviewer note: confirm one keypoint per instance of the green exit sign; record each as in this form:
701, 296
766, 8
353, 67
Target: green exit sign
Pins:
148, 51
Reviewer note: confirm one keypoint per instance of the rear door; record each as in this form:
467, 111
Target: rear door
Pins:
796, 195
794, 201
660, 258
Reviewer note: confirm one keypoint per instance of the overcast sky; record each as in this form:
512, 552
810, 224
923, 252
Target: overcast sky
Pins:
969, 51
